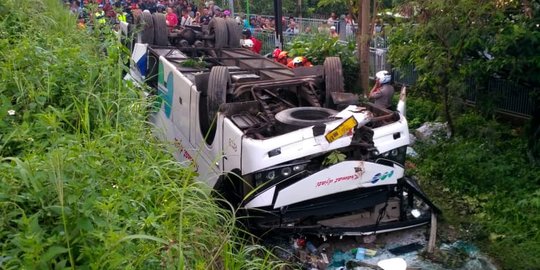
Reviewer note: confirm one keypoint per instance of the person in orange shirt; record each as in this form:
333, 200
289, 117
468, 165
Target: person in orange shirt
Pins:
283, 58
81, 24
299, 61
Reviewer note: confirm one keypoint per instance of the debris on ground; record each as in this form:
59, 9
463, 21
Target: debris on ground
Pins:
429, 130
411, 152
382, 251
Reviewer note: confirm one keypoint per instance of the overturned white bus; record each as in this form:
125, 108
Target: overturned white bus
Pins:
289, 147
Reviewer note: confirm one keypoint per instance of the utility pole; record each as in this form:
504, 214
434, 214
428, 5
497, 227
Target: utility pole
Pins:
279, 25
363, 44
299, 9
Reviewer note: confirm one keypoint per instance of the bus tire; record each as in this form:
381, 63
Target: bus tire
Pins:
147, 29
218, 82
333, 77
161, 31
218, 28
234, 32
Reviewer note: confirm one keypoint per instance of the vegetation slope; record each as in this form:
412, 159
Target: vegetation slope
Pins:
83, 182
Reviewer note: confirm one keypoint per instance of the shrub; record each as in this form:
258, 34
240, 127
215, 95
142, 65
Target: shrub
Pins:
317, 47
490, 183
420, 110
84, 183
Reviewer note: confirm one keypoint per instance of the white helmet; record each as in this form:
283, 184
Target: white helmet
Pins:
383, 76
248, 43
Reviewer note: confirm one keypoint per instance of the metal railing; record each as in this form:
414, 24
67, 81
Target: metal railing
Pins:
506, 96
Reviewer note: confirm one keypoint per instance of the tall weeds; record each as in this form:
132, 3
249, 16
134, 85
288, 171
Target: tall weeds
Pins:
84, 184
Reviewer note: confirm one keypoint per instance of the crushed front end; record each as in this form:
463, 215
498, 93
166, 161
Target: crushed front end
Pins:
344, 176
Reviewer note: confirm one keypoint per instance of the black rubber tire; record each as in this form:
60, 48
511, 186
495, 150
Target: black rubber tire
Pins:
228, 189
147, 29
218, 28
216, 94
333, 77
161, 31
234, 32
183, 43
305, 116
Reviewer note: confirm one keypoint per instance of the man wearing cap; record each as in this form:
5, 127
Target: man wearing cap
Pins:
299, 61
382, 92
283, 58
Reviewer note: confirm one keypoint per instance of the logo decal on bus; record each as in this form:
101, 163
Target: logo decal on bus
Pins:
167, 97
381, 177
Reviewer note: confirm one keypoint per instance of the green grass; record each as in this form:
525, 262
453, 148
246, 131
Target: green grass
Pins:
84, 184
483, 181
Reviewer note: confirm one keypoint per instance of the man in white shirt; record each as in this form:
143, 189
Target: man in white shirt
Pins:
186, 19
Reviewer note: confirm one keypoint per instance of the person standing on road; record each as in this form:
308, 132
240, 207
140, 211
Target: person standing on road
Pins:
382, 92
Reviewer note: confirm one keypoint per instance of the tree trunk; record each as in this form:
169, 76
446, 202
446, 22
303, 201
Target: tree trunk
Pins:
363, 45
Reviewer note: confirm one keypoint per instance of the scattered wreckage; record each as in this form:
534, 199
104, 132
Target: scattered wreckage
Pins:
289, 147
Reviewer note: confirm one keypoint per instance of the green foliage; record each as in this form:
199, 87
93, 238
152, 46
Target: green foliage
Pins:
317, 47
194, 63
515, 44
421, 110
444, 43
85, 185
289, 7
338, 6
484, 178
333, 158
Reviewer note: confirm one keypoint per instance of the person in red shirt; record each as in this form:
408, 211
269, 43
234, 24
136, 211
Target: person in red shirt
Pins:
257, 44
171, 19
275, 53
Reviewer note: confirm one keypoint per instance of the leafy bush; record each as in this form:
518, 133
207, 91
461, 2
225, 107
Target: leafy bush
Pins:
491, 184
84, 183
420, 110
317, 47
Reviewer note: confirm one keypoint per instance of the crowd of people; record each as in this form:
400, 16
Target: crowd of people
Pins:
291, 25
186, 13
179, 12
